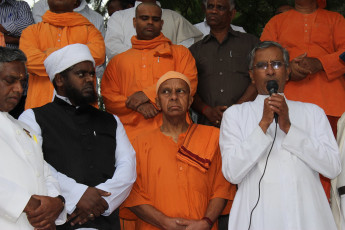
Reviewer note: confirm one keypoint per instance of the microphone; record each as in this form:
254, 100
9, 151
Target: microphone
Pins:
272, 87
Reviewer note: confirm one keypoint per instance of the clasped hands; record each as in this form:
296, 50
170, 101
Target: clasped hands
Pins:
215, 114
42, 211
186, 224
302, 66
275, 104
90, 206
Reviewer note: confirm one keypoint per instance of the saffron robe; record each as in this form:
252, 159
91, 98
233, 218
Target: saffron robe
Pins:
321, 35
54, 32
179, 179
139, 69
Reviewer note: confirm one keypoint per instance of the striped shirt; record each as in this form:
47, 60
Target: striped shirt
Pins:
15, 16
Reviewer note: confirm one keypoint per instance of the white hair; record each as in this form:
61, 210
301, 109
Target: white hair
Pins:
231, 3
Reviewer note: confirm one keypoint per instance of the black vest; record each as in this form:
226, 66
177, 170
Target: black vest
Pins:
79, 143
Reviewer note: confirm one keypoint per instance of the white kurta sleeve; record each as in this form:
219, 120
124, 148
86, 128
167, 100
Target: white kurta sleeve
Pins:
125, 174
53, 189
115, 36
13, 199
240, 153
39, 9
318, 149
70, 190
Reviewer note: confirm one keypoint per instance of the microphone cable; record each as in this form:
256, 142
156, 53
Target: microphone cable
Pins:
269, 153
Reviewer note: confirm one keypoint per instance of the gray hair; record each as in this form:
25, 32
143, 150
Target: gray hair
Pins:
11, 54
231, 3
265, 45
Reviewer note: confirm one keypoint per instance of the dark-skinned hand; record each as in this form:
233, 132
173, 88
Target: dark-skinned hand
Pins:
147, 110
215, 114
171, 223
194, 224
298, 72
275, 104
136, 99
313, 65
44, 216
92, 202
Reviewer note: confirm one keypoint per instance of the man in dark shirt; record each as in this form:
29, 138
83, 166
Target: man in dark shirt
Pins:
221, 59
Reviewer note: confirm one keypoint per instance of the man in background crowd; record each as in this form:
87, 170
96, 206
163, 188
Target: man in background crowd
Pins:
205, 28
222, 61
60, 27
120, 29
128, 84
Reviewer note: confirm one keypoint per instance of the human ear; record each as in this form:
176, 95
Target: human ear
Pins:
158, 104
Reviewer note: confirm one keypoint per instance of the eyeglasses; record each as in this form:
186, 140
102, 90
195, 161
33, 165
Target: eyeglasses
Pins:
264, 65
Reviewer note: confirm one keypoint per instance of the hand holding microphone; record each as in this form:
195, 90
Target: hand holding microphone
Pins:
275, 103
272, 87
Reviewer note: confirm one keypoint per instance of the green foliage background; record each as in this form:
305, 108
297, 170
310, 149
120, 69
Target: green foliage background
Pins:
251, 14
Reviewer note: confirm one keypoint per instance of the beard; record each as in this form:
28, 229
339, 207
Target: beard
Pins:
78, 98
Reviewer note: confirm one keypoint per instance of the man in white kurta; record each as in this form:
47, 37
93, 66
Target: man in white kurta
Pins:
26, 185
338, 184
120, 30
291, 194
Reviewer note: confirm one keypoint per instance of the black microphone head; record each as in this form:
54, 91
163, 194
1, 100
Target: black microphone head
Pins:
272, 86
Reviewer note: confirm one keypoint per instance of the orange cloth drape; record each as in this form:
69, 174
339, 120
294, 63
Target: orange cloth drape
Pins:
175, 187
54, 32
320, 35
2, 40
139, 69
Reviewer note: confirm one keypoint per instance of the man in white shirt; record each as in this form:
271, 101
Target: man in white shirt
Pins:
120, 29
88, 148
276, 161
29, 195
205, 28
338, 184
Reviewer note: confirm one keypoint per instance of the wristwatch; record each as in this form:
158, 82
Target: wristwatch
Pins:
62, 199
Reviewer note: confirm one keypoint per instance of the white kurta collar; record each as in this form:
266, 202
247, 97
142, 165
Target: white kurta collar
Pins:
64, 99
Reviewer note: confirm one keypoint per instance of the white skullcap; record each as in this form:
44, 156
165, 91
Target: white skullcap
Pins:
66, 57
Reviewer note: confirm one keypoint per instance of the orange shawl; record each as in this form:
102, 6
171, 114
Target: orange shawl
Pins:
2, 39
198, 149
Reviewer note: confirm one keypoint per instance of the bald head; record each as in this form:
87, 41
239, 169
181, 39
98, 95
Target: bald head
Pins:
148, 3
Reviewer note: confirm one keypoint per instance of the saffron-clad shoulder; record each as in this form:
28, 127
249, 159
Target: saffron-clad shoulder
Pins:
319, 35
54, 32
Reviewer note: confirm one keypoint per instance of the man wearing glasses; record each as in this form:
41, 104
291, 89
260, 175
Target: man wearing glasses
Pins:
274, 150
